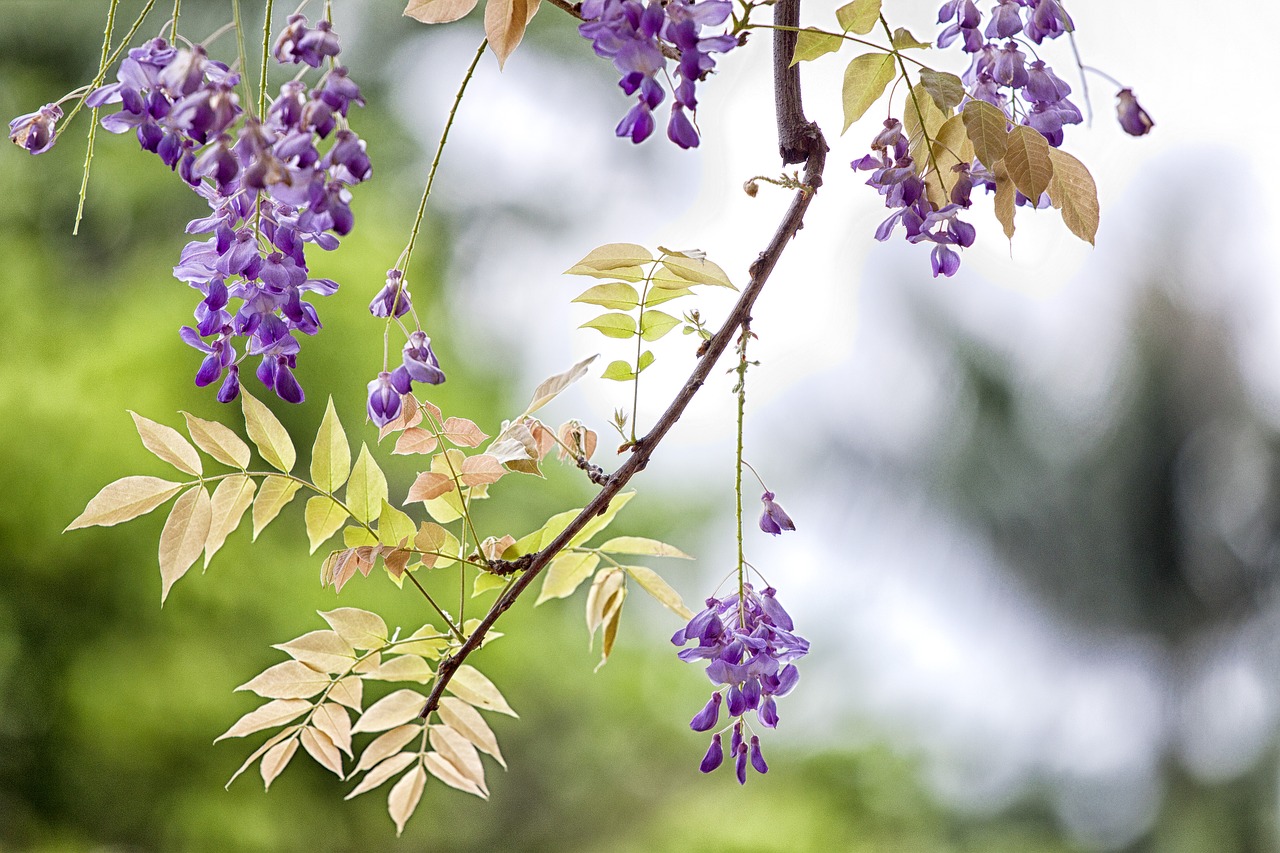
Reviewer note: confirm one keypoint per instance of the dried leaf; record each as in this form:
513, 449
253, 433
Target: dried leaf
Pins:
324, 518
321, 748
274, 494
367, 488
268, 716
324, 651
230, 500
183, 536
360, 628
1028, 161
469, 722
459, 752
386, 745
334, 721
394, 709
384, 771
565, 574
276, 759
289, 680
267, 433
504, 25
218, 441
445, 770
470, 685
652, 583
439, 11
463, 432
404, 797
416, 440
1074, 193
330, 455
604, 589
168, 445
865, 80
123, 500
612, 617
403, 668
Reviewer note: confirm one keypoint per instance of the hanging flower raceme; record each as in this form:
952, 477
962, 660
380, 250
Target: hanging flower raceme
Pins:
749, 646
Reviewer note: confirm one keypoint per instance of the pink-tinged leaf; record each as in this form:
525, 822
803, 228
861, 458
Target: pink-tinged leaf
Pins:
342, 569
416, 440
168, 444
445, 770
543, 437
323, 651
260, 751
481, 469
404, 797
429, 485
469, 685
274, 494
396, 560
123, 500
386, 745
349, 692
460, 753
351, 561
496, 549
439, 11
504, 25
333, 720
289, 680
384, 771
463, 432
360, 628
218, 441
390, 711
403, 668
230, 500
266, 431
468, 722
183, 536
276, 760
410, 416
275, 713
319, 747
330, 455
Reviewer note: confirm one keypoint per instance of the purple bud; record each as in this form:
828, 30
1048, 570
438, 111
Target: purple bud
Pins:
768, 713
680, 129
707, 718
757, 757
774, 519
36, 132
715, 755
384, 401
741, 763
419, 360
230, 386
393, 300
1133, 118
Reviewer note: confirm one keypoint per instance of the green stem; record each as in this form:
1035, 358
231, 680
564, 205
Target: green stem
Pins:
915, 102
844, 36
266, 49
737, 480
244, 61
173, 25
93, 116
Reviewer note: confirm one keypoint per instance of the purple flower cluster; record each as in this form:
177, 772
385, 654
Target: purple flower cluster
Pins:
635, 35
270, 188
893, 174
749, 646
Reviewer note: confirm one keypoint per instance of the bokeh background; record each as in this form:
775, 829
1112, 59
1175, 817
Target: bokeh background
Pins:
1037, 504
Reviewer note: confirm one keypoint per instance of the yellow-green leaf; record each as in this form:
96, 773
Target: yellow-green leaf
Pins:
904, 40
486, 582
609, 257
394, 527
692, 270
324, 516
183, 536
865, 80
988, 130
218, 441
615, 295
167, 444
655, 324
951, 147
652, 583
125, 499
600, 522
859, 17
274, 493
330, 455
367, 488
812, 42
920, 118
1028, 161
612, 325
619, 371
565, 574
643, 547
947, 90
1074, 193
267, 433
230, 500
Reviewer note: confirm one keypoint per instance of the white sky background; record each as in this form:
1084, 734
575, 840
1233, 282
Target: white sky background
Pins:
913, 621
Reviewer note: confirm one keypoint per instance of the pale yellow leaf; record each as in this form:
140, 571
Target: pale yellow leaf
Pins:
565, 573
334, 721
230, 500
274, 494
1075, 194
324, 651
289, 680
384, 771
600, 522
425, 642
349, 692
274, 713
921, 117
466, 720
218, 441
168, 445
360, 628
439, 11
951, 147
604, 588
444, 770
390, 711
321, 748
696, 271
386, 745
470, 685
988, 128
402, 668
404, 797
266, 431
276, 759
653, 584
1004, 200
459, 752
367, 488
1028, 161
643, 547
183, 536
324, 517
125, 499
610, 257
552, 386
331, 455
260, 751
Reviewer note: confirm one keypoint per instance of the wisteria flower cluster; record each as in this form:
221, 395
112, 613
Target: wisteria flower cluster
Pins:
270, 188
750, 647
638, 36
